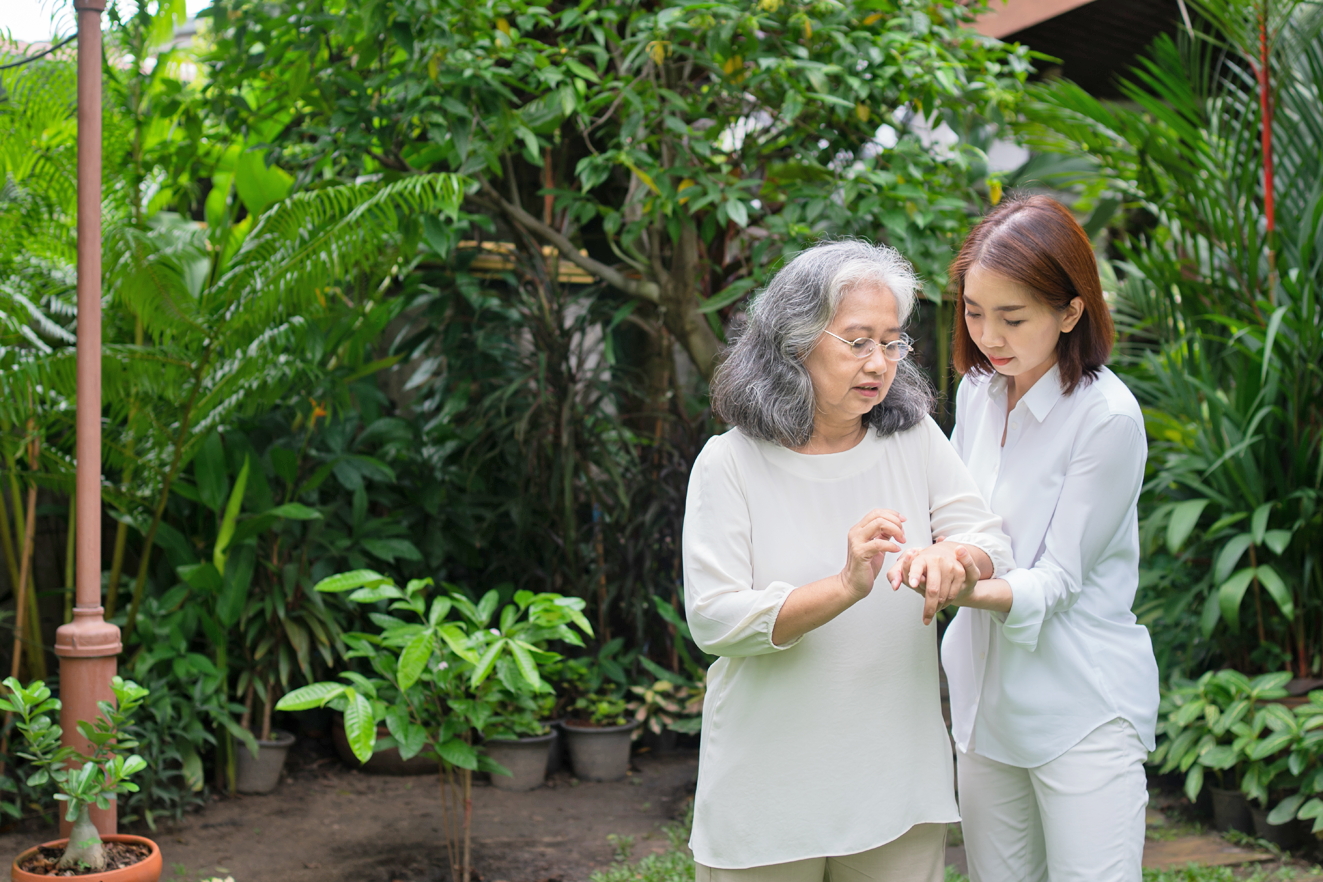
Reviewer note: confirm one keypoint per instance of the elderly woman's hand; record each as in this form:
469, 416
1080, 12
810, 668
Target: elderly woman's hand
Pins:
867, 545
944, 573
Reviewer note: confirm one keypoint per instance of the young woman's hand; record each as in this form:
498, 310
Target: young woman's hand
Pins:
880, 532
945, 573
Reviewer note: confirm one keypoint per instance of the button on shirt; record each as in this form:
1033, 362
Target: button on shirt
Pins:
1028, 686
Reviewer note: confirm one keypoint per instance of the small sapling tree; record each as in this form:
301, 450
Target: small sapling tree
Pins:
83, 779
443, 677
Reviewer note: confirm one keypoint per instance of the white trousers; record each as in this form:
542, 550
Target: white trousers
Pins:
918, 855
1078, 818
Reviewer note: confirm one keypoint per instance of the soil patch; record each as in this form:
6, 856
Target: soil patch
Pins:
118, 856
327, 823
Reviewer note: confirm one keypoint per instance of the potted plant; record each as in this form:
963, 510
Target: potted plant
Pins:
1305, 764
83, 780
1205, 725
440, 672
599, 731
666, 708
519, 738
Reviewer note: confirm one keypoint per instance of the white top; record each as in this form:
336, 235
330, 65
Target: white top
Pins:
1069, 656
832, 744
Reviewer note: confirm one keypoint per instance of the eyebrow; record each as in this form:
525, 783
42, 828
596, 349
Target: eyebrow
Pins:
866, 329
998, 309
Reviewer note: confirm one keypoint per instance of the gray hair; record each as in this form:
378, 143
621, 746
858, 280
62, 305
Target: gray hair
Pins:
763, 386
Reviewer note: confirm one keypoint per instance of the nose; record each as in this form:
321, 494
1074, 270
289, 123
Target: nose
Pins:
988, 338
877, 362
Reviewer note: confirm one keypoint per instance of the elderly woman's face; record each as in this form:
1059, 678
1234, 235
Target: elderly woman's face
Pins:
846, 387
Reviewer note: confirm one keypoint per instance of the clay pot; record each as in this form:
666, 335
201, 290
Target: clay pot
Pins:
1231, 810
526, 758
148, 870
383, 762
261, 774
599, 753
556, 759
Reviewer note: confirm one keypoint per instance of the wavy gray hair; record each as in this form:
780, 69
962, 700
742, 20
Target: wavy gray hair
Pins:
763, 386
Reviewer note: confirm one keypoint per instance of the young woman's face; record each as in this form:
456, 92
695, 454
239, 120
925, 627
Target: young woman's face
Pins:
1016, 330
846, 387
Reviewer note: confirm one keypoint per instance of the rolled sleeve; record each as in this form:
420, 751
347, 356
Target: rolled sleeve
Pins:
1099, 492
727, 615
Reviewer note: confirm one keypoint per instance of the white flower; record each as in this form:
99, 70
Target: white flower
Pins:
496, 632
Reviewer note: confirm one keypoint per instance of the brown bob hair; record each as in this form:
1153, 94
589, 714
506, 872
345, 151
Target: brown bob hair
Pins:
1037, 242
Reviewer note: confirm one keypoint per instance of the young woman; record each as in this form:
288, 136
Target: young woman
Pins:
1054, 688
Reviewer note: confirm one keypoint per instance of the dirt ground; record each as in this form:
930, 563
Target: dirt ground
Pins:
330, 824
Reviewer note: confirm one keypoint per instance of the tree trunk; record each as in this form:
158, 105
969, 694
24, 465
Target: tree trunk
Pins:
84, 848
679, 302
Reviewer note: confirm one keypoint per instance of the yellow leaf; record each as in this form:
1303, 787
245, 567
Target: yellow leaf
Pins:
808, 28
734, 63
862, 111
874, 18
769, 5
643, 176
657, 50
503, 26
994, 191
687, 182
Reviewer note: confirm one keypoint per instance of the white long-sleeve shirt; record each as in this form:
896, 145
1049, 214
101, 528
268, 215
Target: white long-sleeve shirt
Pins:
1069, 656
834, 743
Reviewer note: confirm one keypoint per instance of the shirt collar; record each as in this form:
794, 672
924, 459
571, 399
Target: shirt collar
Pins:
1040, 399
1045, 394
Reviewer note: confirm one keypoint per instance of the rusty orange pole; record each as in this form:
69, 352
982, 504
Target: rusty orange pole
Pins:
88, 646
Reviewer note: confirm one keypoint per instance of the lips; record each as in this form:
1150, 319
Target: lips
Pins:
999, 362
869, 391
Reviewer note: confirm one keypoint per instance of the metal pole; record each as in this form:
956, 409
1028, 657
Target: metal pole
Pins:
88, 646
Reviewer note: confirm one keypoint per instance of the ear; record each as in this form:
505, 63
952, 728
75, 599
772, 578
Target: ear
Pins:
1071, 315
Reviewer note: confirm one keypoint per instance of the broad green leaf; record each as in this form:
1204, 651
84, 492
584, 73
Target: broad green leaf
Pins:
258, 184
374, 593
1230, 595
209, 472
349, 581
1259, 522
527, 667
389, 549
360, 727
487, 662
1277, 540
414, 658
308, 697
1229, 556
487, 607
458, 753
1272, 744
202, 576
295, 512
1276, 587
458, 641
1194, 782
1184, 518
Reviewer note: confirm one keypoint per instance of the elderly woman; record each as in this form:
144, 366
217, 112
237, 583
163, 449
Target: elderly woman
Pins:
824, 752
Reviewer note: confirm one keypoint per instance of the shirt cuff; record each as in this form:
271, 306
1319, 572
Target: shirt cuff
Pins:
1028, 609
785, 588
996, 551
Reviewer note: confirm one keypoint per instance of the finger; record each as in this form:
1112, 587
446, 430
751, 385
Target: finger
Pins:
918, 571
893, 522
887, 524
931, 603
874, 547
937, 539
894, 576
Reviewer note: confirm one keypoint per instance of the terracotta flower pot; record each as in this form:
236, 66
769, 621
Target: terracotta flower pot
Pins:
148, 870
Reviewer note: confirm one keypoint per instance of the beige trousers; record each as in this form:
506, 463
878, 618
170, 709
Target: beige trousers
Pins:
919, 855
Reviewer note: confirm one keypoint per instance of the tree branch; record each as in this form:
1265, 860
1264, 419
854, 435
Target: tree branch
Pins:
640, 288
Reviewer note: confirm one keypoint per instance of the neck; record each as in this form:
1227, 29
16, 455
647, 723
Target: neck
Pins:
834, 437
1020, 384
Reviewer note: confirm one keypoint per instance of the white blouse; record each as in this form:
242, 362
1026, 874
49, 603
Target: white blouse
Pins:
1069, 656
832, 744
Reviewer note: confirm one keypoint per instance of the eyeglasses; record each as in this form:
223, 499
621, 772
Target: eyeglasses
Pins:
896, 350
